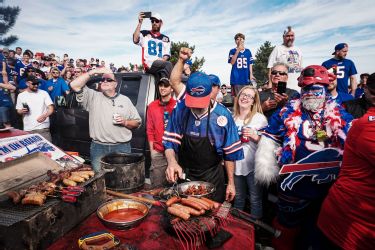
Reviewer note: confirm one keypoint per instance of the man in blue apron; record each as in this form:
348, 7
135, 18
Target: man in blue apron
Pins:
202, 133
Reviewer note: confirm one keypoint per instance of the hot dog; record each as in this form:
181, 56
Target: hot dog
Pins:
76, 178
84, 169
181, 207
191, 203
68, 182
178, 213
205, 205
172, 200
90, 173
81, 174
187, 209
215, 204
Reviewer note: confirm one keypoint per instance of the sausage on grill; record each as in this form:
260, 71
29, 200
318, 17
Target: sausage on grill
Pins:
172, 200
191, 203
178, 213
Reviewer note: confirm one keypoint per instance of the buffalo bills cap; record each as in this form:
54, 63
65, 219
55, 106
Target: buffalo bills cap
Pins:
339, 46
215, 80
198, 90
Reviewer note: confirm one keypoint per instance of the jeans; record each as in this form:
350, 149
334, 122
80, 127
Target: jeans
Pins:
244, 185
160, 69
99, 150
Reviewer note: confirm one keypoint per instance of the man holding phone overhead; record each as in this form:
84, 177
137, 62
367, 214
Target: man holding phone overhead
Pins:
156, 47
276, 97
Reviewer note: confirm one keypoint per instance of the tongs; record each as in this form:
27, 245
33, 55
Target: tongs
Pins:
183, 179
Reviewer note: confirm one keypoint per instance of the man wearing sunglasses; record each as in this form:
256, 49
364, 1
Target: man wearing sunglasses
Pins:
270, 99
289, 54
35, 106
112, 115
155, 47
56, 86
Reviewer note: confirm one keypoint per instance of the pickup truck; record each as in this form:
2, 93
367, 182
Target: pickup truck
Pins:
70, 128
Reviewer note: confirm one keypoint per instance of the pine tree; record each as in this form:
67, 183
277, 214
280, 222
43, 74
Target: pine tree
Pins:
260, 63
8, 16
175, 50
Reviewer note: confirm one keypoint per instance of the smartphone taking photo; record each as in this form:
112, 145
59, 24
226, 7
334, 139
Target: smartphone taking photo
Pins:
147, 14
281, 88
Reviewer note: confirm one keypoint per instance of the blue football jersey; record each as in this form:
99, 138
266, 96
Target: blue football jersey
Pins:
20, 68
240, 74
345, 68
222, 130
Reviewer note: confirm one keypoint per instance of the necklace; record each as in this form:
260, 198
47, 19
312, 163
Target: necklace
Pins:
317, 125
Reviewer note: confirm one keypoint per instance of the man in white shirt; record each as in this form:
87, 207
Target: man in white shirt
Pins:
156, 47
35, 105
289, 54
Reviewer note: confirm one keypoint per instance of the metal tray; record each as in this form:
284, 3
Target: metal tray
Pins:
181, 188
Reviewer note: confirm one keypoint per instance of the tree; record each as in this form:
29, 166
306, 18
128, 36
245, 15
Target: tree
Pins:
261, 61
175, 49
8, 16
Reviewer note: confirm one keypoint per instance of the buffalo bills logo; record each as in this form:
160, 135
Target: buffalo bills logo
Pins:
322, 166
197, 91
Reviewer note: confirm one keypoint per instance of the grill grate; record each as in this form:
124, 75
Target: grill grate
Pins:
11, 213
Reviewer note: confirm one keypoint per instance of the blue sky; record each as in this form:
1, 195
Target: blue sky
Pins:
103, 28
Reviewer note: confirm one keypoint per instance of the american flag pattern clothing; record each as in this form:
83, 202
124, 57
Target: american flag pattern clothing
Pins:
293, 128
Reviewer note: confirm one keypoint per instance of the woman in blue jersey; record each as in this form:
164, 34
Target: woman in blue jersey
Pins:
249, 118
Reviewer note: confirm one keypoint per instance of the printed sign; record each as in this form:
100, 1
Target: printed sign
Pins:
18, 146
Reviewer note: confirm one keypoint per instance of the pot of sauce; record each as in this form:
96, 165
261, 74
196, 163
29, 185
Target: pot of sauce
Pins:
122, 214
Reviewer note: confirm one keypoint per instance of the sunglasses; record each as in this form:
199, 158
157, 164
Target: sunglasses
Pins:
223, 87
275, 72
35, 83
55, 72
155, 21
107, 80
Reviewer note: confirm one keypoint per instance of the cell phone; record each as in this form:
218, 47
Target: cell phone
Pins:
281, 88
147, 14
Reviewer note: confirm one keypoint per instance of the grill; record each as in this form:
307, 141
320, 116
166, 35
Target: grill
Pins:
36, 227
11, 214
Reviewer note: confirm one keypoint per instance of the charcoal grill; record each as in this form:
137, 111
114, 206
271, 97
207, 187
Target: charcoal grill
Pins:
36, 227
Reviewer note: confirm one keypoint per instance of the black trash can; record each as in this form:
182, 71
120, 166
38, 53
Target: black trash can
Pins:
124, 172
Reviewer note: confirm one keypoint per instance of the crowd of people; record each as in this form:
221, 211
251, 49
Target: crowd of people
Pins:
298, 137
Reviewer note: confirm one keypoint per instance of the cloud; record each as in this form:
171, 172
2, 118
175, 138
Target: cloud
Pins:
104, 29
